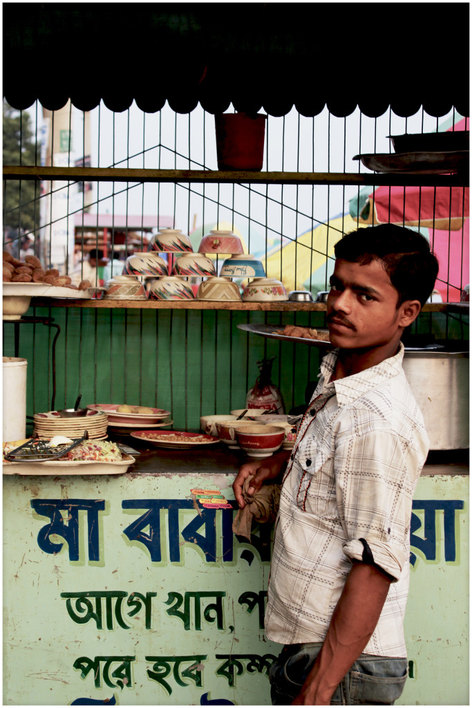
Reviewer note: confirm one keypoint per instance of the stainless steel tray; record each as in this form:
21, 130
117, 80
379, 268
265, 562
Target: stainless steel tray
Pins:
416, 162
275, 332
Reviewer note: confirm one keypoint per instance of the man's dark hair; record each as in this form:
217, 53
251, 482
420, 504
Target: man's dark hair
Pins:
96, 253
405, 254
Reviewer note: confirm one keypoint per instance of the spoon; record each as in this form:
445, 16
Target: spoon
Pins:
242, 414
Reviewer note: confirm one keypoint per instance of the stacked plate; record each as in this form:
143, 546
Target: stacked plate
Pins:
47, 425
120, 418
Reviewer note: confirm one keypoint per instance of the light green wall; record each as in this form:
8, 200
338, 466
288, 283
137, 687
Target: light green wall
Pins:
42, 641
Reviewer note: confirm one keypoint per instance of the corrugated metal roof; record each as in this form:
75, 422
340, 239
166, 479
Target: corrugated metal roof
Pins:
256, 56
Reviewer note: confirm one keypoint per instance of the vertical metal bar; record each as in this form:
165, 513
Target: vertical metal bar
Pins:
143, 185
189, 164
313, 207
328, 142
297, 284
343, 188
204, 143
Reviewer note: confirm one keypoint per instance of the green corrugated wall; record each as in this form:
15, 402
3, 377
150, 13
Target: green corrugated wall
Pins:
189, 362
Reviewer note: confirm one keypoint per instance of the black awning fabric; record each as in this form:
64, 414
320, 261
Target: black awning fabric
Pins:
256, 56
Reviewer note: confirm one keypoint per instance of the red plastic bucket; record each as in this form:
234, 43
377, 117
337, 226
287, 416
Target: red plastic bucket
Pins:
240, 141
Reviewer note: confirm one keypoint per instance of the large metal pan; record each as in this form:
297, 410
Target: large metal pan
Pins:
440, 384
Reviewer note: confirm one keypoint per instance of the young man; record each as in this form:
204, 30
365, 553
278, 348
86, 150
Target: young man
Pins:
340, 567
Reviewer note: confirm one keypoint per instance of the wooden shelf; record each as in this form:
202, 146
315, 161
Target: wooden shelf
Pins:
206, 305
123, 174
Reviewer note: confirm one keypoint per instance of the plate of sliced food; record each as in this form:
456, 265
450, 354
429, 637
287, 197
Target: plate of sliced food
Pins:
89, 457
175, 439
290, 333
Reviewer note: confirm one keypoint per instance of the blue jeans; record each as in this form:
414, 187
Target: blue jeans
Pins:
371, 680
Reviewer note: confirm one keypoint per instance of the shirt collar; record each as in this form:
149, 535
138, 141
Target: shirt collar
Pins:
351, 387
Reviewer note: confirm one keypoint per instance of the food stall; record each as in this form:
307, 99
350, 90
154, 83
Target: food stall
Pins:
124, 580
127, 584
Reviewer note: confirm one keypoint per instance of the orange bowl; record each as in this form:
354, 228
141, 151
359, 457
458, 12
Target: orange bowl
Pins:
219, 241
259, 440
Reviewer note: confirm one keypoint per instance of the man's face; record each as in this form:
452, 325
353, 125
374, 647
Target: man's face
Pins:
362, 306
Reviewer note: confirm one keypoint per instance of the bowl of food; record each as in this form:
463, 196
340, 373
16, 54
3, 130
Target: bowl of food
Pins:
281, 421
264, 290
171, 240
259, 440
208, 423
225, 430
220, 241
242, 266
217, 288
194, 264
248, 412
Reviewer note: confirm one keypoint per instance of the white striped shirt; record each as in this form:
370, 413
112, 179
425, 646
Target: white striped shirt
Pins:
358, 454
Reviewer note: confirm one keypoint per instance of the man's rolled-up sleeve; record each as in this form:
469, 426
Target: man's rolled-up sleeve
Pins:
375, 479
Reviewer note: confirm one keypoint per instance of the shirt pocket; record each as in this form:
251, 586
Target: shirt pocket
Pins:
316, 493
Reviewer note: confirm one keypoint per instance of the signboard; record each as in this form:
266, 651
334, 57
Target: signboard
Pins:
133, 590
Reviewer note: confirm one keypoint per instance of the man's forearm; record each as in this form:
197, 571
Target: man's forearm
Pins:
354, 620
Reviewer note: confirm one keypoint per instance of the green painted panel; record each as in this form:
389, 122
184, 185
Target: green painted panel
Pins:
68, 635
163, 360
191, 363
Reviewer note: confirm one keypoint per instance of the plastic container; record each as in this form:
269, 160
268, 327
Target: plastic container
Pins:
240, 141
14, 398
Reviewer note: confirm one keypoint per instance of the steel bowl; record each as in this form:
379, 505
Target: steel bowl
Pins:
72, 413
322, 296
300, 296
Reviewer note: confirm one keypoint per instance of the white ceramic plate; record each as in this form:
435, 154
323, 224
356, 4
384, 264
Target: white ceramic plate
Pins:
275, 332
175, 439
43, 290
80, 467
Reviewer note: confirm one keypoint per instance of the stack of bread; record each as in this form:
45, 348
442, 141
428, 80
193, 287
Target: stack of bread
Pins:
30, 270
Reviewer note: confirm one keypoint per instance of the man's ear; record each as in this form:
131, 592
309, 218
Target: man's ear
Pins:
409, 311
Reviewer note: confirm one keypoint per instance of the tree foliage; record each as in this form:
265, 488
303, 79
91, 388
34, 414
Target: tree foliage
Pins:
20, 198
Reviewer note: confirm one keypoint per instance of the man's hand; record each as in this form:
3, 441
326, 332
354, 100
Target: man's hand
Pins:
265, 470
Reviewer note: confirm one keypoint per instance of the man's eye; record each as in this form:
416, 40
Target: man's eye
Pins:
366, 298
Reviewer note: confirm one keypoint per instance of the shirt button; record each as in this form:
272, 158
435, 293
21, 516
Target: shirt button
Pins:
308, 463
312, 412
292, 457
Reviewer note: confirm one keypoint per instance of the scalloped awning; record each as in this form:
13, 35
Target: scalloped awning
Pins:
256, 56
